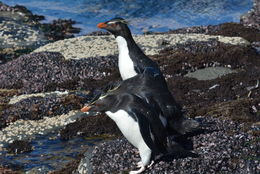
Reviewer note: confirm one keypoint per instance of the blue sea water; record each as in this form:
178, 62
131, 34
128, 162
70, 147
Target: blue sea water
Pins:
49, 152
144, 15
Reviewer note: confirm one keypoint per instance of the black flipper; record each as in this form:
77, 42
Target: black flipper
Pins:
151, 128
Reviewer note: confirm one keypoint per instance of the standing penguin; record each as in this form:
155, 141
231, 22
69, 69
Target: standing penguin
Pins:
131, 59
137, 120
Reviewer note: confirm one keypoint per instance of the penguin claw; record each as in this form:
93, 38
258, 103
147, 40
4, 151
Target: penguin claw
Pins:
139, 164
150, 165
138, 171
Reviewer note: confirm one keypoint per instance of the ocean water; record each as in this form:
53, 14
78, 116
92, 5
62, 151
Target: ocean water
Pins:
143, 15
49, 153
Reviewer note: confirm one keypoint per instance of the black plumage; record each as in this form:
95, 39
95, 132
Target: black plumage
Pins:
118, 27
119, 105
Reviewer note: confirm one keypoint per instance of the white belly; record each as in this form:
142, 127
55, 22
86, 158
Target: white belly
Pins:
125, 64
129, 127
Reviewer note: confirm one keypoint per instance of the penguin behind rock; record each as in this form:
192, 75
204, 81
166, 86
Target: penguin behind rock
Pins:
137, 120
131, 59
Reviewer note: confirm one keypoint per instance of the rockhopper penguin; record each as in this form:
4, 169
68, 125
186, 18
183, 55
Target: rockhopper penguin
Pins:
132, 61
137, 120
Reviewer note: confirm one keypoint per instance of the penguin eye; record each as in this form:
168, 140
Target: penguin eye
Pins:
97, 104
113, 25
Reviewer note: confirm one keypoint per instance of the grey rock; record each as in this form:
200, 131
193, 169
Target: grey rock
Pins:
210, 73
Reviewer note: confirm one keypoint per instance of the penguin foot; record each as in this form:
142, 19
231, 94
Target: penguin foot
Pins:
139, 164
138, 171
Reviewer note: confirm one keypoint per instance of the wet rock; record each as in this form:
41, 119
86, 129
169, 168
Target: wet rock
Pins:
21, 31
20, 36
25, 14
17, 39
19, 146
4, 7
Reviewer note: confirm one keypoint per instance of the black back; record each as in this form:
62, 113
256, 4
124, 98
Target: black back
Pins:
154, 91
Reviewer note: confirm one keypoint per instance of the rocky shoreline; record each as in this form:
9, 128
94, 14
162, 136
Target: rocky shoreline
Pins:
219, 150
42, 92
22, 31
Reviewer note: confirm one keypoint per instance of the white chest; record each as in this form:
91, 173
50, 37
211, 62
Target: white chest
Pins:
129, 127
125, 63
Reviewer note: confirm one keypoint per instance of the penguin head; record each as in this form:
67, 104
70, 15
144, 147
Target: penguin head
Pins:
102, 104
116, 26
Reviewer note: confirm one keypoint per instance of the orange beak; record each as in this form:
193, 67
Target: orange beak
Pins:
101, 25
85, 108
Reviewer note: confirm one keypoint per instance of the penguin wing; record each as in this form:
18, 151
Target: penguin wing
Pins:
151, 70
145, 128
151, 128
